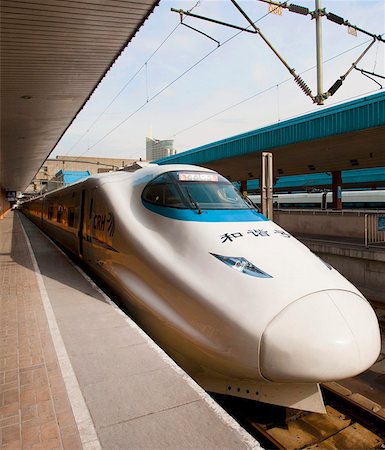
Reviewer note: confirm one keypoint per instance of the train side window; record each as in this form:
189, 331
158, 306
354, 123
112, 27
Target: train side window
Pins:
60, 216
71, 216
50, 212
153, 194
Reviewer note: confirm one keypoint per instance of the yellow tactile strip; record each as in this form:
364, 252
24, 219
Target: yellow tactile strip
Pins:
35, 412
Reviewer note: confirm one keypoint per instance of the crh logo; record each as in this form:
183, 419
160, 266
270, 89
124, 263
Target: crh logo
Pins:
110, 224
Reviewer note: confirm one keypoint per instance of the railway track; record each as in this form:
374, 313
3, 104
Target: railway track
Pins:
351, 422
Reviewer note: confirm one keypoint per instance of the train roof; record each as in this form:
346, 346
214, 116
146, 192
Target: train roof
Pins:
141, 173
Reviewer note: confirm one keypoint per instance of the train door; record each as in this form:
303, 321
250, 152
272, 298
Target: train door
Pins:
81, 223
98, 228
42, 206
85, 228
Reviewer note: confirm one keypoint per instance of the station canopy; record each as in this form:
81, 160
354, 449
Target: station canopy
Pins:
53, 56
347, 136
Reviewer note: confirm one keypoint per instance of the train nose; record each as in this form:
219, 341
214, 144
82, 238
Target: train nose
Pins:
324, 336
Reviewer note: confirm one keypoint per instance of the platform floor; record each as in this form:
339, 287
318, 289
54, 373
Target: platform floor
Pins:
76, 373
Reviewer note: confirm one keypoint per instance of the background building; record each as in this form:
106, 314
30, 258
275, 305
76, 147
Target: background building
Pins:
66, 177
156, 149
50, 176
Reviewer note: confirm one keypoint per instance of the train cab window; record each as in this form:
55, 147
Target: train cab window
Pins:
162, 191
194, 190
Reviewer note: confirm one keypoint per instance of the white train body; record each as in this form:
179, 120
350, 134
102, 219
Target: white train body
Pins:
237, 301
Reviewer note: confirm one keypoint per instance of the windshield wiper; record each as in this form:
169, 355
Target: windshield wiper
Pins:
194, 202
251, 203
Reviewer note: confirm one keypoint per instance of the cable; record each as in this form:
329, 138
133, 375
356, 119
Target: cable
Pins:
262, 92
188, 70
123, 88
150, 99
171, 83
144, 65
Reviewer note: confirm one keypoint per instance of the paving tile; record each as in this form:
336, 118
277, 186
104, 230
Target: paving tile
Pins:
10, 396
68, 426
30, 435
11, 420
8, 386
14, 445
10, 376
46, 410
27, 397
11, 433
26, 378
71, 442
61, 402
31, 383
28, 413
49, 430
9, 410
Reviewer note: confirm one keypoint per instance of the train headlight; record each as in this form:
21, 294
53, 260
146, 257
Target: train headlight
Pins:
242, 265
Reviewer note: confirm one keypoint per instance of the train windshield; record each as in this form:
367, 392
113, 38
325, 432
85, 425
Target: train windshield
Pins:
194, 190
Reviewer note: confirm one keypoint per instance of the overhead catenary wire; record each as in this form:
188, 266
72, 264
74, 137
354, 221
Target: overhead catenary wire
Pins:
152, 98
329, 15
148, 100
216, 114
317, 14
276, 85
178, 78
366, 73
252, 28
144, 65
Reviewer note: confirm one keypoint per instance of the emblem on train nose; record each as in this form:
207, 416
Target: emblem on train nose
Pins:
242, 265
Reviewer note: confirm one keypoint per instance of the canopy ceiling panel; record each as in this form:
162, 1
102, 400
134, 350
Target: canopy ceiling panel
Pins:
54, 53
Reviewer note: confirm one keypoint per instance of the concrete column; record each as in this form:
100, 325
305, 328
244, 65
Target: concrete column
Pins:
267, 185
337, 189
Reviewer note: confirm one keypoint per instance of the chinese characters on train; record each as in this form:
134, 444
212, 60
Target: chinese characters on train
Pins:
230, 237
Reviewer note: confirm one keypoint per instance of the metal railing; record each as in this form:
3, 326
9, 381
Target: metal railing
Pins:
365, 226
374, 228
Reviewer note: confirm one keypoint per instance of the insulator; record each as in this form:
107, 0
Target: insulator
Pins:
335, 87
299, 9
334, 18
301, 83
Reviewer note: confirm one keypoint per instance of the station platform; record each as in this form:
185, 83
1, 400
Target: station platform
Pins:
77, 373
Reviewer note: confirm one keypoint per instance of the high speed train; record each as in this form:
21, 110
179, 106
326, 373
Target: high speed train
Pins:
239, 303
374, 199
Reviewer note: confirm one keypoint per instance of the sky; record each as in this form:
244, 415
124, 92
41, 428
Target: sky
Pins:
172, 82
